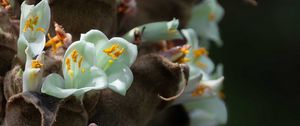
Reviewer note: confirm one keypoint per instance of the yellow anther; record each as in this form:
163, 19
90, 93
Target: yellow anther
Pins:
200, 64
114, 51
74, 55
110, 61
68, 63
36, 64
183, 60
82, 70
5, 3
41, 30
185, 50
71, 73
119, 52
199, 52
212, 16
31, 23
111, 48
199, 91
80, 61
172, 30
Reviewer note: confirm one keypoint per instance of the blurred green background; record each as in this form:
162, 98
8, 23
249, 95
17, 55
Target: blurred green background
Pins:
261, 56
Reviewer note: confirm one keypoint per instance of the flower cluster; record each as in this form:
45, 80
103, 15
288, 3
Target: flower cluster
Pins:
92, 63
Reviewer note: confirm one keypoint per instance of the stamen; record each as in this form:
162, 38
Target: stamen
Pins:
114, 51
31, 23
36, 64
80, 61
82, 70
200, 64
199, 52
212, 16
183, 60
68, 63
199, 91
74, 55
119, 52
111, 49
71, 73
41, 30
5, 4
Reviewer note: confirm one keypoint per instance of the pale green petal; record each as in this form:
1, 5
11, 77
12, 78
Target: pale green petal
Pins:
42, 10
22, 45
194, 78
128, 57
157, 31
192, 40
87, 51
214, 85
32, 77
36, 47
207, 29
32, 80
120, 78
210, 111
96, 37
25, 9
209, 64
54, 86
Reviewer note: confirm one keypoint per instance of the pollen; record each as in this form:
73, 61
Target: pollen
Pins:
80, 61
31, 23
58, 40
74, 55
185, 50
68, 63
71, 73
5, 3
41, 30
114, 51
184, 60
82, 70
200, 64
212, 16
172, 30
36, 64
199, 91
111, 49
199, 52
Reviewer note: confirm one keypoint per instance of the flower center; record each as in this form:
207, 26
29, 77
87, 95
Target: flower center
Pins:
73, 58
36, 64
199, 91
114, 51
31, 24
200, 52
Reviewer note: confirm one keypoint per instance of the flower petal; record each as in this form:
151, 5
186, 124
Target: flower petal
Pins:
210, 111
54, 86
42, 10
120, 78
22, 45
36, 47
127, 58
205, 19
96, 37
157, 31
86, 51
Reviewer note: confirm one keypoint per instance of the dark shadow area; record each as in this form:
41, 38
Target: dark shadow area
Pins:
261, 56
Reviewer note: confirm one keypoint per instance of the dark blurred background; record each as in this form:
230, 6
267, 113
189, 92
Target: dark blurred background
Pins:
261, 56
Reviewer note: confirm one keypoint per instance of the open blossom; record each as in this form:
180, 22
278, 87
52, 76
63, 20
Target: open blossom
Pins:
34, 24
93, 63
201, 96
205, 19
33, 73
